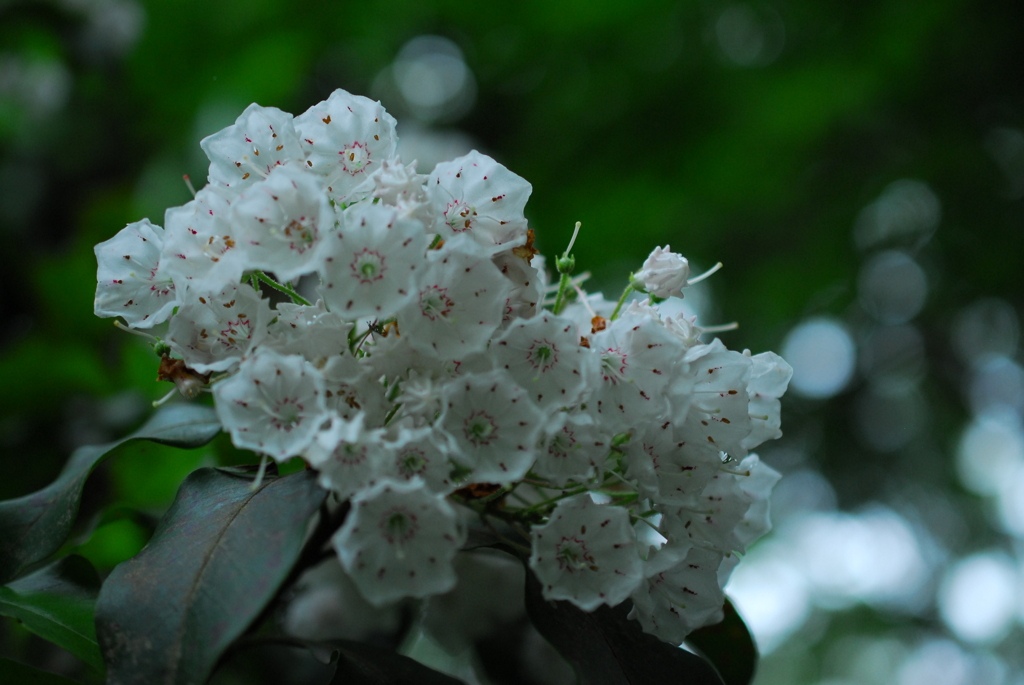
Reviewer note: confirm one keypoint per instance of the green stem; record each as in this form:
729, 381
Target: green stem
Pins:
282, 287
622, 300
621, 499
653, 527
563, 284
623, 480
356, 343
391, 414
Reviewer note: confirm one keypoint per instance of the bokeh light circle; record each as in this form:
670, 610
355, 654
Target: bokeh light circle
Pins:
822, 355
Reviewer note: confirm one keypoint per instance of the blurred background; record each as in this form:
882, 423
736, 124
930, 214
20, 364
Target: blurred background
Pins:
858, 167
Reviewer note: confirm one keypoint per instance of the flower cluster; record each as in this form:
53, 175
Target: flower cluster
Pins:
438, 379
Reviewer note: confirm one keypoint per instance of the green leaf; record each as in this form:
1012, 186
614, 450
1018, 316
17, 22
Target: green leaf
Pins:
360, 663
13, 673
35, 526
729, 646
218, 557
56, 603
605, 648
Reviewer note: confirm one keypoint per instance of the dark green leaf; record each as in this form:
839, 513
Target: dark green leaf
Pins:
13, 673
218, 557
34, 526
360, 663
350, 662
56, 603
729, 646
605, 648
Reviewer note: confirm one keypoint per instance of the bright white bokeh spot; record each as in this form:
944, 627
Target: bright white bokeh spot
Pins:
832, 560
977, 599
822, 355
432, 78
873, 557
991, 451
771, 594
800, 492
892, 287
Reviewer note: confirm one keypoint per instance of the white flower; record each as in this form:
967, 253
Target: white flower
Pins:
283, 221
480, 200
637, 362
346, 138
348, 457
731, 512
457, 307
685, 329
416, 455
420, 396
586, 553
493, 426
664, 273
583, 313
642, 309
430, 364
352, 388
396, 358
201, 245
398, 185
717, 420
273, 405
399, 541
573, 446
312, 331
213, 331
665, 469
544, 356
131, 279
245, 152
769, 378
755, 489
373, 262
680, 593
524, 301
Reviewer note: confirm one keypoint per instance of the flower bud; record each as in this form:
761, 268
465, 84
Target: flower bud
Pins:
664, 274
565, 264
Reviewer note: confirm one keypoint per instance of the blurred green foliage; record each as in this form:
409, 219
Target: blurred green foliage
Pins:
630, 117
